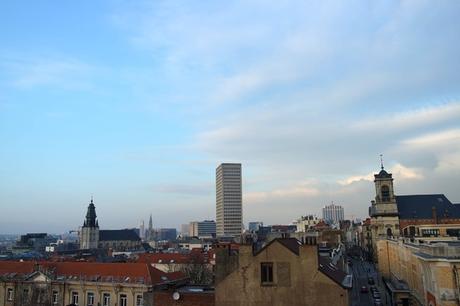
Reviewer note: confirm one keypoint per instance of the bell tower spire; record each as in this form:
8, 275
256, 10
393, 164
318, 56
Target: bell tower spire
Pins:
384, 209
89, 233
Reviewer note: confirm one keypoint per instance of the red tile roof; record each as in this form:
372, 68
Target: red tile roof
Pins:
105, 272
25, 267
176, 258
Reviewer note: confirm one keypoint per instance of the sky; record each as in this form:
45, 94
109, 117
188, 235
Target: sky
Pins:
137, 103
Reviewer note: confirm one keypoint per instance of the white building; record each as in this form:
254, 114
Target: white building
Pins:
142, 230
202, 229
305, 223
333, 214
229, 202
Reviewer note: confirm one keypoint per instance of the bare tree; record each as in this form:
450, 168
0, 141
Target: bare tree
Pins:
34, 294
198, 271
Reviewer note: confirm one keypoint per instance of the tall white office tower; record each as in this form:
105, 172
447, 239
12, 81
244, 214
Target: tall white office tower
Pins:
142, 230
333, 214
229, 201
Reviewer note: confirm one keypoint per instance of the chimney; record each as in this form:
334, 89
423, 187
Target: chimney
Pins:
434, 214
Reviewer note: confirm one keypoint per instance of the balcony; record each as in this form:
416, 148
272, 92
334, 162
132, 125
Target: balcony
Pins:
383, 210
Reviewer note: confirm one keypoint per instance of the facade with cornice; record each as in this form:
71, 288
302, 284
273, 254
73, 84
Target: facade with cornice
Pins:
80, 283
421, 215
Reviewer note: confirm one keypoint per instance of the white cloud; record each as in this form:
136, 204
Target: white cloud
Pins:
298, 190
356, 178
436, 140
406, 173
398, 170
419, 117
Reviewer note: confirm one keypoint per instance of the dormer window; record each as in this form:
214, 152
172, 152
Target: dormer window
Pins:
385, 190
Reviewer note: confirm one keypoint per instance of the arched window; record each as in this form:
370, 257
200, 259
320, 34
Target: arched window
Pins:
385, 193
389, 233
412, 231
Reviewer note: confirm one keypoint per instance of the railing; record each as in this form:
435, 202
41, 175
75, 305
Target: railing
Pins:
374, 210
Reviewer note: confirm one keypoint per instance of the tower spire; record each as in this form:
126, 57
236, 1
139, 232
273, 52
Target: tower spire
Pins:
381, 161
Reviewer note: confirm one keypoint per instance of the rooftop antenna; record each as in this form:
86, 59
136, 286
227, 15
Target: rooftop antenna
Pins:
381, 161
91, 198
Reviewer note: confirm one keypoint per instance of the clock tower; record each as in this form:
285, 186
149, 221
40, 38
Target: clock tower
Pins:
384, 210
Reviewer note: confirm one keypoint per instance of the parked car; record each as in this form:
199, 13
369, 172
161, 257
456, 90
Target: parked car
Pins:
364, 289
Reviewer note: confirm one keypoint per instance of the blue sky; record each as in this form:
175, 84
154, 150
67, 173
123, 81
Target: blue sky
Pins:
138, 102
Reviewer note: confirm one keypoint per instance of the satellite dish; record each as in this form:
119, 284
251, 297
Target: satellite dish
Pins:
176, 296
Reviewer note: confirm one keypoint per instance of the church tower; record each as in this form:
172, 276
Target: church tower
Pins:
384, 210
89, 234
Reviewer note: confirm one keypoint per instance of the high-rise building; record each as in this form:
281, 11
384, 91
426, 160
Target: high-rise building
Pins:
229, 206
333, 213
142, 230
206, 228
254, 226
165, 234
185, 230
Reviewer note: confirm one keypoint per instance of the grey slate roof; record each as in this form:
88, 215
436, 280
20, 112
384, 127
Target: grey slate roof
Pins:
124, 234
383, 174
326, 266
292, 244
421, 206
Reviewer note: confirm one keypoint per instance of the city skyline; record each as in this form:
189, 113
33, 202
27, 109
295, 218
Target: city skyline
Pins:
140, 102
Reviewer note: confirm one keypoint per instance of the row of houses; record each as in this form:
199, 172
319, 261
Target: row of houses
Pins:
285, 271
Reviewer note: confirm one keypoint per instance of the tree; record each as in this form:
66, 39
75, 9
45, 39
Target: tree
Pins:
198, 271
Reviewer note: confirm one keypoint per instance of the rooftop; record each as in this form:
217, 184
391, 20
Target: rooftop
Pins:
89, 271
422, 206
114, 235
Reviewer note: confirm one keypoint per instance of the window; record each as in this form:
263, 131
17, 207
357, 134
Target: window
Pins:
430, 232
385, 193
55, 297
266, 273
123, 300
139, 300
389, 232
75, 298
455, 232
90, 299
9, 294
106, 299
25, 295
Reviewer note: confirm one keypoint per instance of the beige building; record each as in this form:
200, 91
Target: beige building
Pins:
384, 210
421, 271
306, 223
284, 272
79, 283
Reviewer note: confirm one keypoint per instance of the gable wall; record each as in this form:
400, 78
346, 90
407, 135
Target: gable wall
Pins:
303, 284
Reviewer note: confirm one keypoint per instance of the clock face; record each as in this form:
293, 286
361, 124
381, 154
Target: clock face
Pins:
176, 296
